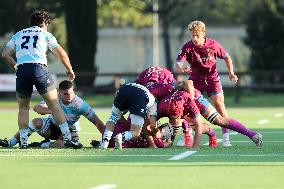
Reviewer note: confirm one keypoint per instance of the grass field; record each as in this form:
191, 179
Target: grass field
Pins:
240, 166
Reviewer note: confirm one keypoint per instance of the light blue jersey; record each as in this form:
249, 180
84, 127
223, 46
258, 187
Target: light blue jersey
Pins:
31, 45
74, 110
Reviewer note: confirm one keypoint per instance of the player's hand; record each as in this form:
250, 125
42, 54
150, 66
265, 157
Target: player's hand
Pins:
70, 74
187, 70
233, 77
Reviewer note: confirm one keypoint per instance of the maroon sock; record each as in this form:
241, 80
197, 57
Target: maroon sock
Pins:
211, 132
240, 128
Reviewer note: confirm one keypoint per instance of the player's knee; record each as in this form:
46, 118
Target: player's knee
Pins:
37, 123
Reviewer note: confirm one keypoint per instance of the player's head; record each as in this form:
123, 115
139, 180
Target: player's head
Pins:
165, 131
66, 91
197, 31
176, 109
40, 18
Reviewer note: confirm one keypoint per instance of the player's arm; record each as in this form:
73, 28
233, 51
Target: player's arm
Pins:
187, 86
62, 55
8, 59
230, 67
198, 131
148, 132
182, 67
98, 123
42, 109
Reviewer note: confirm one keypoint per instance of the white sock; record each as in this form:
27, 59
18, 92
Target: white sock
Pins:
226, 137
65, 130
127, 135
24, 135
107, 135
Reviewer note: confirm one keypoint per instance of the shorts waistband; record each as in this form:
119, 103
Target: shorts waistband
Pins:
40, 64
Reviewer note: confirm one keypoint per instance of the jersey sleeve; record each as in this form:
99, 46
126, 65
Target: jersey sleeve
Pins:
182, 56
87, 111
51, 41
220, 51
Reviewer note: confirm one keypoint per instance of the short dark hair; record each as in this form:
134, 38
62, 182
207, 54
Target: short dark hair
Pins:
63, 85
39, 17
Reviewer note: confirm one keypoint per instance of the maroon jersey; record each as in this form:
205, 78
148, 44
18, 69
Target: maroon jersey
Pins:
202, 60
155, 74
176, 104
160, 90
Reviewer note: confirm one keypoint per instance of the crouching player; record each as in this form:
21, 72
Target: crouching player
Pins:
141, 104
162, 137
73, 107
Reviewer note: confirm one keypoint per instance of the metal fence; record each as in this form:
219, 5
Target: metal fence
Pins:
266, 81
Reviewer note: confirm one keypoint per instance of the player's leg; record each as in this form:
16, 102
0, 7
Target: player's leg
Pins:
51, 100
209, 131
137, 123
214, 117
23, 120
24, 88
218, 102
113, 119
45, 85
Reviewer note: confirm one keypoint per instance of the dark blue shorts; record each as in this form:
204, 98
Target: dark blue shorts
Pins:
55, 131
30, 74
132, 99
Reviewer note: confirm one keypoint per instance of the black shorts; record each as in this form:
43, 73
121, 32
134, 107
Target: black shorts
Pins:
55, 131
132, 99
29, 74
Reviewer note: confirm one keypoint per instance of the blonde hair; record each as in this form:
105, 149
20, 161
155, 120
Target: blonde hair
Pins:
196, 27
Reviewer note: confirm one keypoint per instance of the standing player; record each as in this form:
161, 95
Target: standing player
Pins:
73, 107
141, 104
31, 45
201, 53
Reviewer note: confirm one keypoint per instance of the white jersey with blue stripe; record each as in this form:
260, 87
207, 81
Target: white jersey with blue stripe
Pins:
31, 45
74, 110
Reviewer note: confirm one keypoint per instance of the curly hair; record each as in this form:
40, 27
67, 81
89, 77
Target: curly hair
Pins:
40, 17
196, 26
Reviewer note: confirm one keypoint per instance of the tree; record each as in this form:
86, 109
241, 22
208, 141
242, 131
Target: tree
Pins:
15, 15
81, 24
265, 29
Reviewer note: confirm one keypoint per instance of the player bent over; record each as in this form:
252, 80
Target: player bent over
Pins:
141, 105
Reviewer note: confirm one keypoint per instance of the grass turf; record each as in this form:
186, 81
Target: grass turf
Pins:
242, 165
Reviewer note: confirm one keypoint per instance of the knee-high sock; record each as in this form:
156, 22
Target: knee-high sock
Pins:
211, 132
240, 128
126, 136
225, 130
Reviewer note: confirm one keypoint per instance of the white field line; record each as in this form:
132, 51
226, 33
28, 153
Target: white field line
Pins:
278, 115
104, 186
263, 121
82, 155
182, 155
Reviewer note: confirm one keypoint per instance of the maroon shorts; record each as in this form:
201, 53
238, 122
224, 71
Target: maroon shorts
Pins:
211, 87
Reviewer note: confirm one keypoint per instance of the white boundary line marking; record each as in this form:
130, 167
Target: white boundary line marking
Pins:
263, 121
278, 115
182, 155
104, 186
